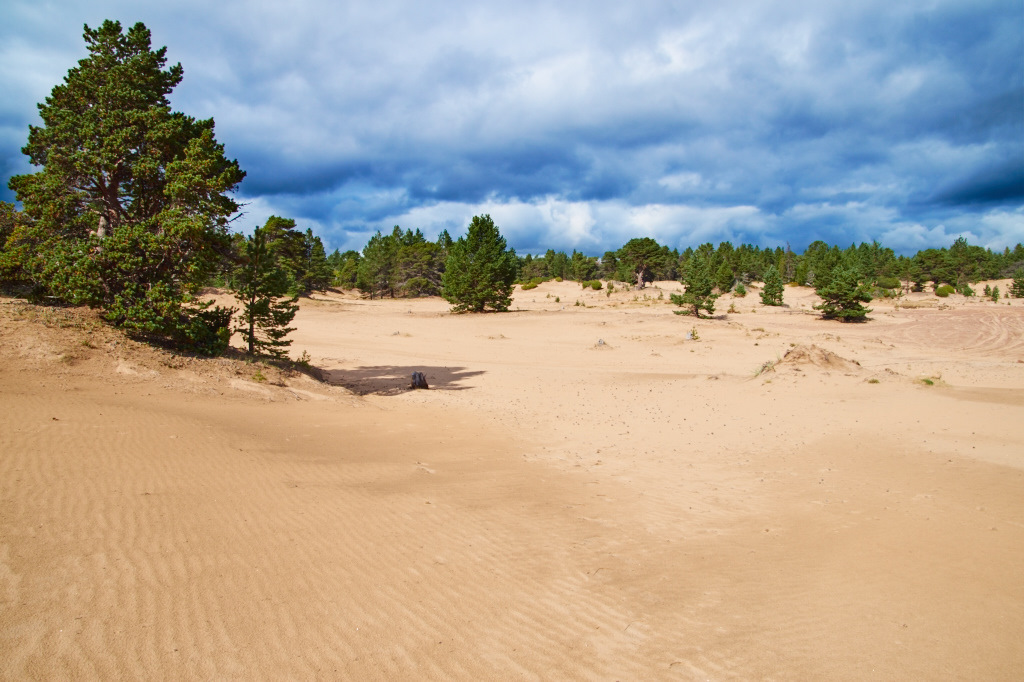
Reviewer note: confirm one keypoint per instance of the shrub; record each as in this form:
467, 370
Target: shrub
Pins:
740, 291
944, 290
529, 285
887, 283
966, 290
596, 285
995, 294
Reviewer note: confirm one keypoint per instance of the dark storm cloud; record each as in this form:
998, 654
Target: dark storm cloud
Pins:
585, 124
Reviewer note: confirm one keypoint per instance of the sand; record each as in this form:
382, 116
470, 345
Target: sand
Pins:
584, 493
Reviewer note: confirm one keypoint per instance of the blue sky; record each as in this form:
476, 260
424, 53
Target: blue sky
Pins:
579, 125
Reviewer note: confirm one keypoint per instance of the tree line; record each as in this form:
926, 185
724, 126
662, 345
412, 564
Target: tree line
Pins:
131, 212
406, 264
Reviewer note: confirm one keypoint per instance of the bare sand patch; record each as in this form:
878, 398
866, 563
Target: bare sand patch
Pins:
649, 507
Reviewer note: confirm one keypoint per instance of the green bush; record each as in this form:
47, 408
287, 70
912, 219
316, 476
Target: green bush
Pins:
887, 283
529, 285
596, 285
740, 291
944, 291
966, 290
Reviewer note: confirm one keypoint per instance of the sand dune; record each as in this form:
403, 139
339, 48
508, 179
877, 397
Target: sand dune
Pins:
584, 493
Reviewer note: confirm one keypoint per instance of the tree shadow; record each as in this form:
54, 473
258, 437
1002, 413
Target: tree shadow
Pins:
392, 380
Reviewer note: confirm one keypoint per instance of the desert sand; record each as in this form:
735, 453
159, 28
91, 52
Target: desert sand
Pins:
583, 493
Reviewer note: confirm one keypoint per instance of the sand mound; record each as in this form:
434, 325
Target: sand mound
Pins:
68, 343
801, 355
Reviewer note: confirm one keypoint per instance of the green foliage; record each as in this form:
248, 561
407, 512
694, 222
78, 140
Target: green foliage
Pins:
207, 330
1017, 288
594, 284
418, 268
262, 287
402, 264
314, 272
740, 291
724, 278
966, 290
698, 284
480, 269
377, 266
843, 295
13, 247
995, 294
583, 268
944, 290
771, 294
345, 267
885, 282
638, 259
130, 210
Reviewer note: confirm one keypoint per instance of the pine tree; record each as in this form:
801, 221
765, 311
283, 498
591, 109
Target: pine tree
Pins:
1017, 288
724, 278
995, 294
843, 295
638, 259
316, 271
698, 287
377, 266
771, 294
262, 286
480, 270
130, 210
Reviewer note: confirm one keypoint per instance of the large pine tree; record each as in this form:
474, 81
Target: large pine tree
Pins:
129, 211
480, 270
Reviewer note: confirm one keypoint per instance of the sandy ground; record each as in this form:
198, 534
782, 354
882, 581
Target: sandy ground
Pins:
584, 493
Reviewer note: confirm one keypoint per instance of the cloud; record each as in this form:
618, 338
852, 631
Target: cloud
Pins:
585, 124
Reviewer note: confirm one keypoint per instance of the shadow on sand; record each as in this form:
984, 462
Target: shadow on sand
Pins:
392, 380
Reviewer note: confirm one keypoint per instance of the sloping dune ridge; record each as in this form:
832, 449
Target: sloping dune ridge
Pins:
585, 492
